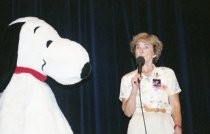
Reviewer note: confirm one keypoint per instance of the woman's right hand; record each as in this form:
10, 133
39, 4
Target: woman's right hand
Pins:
135, 81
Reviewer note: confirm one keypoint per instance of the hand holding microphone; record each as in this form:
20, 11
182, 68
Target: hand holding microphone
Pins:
136, 79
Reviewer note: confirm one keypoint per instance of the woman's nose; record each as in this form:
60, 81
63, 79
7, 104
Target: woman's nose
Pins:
141, 50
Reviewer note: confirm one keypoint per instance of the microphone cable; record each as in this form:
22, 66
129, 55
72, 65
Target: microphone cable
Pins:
140, 62
145, 129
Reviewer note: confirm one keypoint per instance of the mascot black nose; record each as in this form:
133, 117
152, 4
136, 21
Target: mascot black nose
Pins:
86, 70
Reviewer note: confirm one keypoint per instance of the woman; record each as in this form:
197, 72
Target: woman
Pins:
159, 92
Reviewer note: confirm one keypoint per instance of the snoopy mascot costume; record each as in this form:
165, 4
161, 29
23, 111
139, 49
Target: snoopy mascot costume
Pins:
30, 52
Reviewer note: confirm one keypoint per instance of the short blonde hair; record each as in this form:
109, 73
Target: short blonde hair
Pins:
150, 39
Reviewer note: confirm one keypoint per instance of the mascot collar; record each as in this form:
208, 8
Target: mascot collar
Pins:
33, 72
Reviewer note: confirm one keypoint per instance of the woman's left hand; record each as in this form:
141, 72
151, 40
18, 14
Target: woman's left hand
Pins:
178, 130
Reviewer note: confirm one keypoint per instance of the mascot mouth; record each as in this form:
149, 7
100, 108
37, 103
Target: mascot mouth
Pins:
43, 65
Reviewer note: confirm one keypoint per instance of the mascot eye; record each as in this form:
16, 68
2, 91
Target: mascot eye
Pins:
36, 29
48, 43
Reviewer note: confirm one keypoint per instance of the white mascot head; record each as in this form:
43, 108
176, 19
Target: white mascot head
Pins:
31, 50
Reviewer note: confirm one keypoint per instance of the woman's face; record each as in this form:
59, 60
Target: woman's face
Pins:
145, 50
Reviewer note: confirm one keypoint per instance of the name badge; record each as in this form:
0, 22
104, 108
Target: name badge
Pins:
156, 83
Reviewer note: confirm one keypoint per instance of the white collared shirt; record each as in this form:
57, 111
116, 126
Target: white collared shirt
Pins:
155, 89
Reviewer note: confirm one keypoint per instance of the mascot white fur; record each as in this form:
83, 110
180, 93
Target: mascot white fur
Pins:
30, 52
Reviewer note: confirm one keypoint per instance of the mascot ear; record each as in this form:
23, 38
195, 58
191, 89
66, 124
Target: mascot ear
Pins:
8, 53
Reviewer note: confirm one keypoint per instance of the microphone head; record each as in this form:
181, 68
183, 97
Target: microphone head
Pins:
140, 61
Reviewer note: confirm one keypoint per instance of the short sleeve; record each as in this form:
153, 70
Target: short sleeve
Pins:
172, 83
125, 88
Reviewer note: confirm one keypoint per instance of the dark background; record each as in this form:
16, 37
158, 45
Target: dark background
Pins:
105, 28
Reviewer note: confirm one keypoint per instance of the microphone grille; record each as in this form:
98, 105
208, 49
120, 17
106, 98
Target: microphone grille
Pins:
140, 60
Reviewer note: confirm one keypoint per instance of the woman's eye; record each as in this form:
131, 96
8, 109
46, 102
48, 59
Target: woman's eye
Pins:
137, 47
146, 46
48, 43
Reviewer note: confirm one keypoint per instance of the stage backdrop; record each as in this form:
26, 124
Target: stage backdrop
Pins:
105, 28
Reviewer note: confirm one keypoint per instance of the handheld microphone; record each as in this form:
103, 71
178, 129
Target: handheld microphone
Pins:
140, 62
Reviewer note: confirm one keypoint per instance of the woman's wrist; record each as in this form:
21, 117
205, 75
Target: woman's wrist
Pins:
134, 92
177, 126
